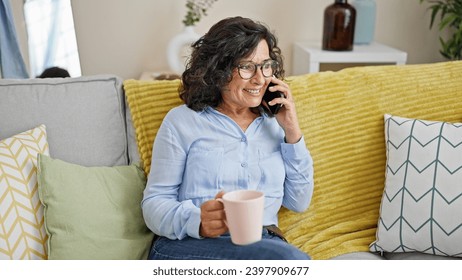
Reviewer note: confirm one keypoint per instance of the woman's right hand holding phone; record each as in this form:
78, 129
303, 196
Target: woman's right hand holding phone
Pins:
287, 115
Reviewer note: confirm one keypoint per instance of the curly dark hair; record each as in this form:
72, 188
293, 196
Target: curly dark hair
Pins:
216, 54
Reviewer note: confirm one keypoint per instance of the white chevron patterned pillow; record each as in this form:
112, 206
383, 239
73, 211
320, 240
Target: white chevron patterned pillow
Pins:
22, 231
421, 209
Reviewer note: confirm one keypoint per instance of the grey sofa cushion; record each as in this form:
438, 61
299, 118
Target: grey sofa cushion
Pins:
85, 116
359, 256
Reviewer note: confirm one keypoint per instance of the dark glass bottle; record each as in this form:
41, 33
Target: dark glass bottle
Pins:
339, 26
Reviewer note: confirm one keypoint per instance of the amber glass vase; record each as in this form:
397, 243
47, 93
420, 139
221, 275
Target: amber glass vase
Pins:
339, 26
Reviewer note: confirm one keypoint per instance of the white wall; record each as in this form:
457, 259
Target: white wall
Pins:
127, 37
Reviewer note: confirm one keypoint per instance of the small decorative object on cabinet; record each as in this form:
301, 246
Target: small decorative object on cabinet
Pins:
365, 21
339, 26
175, 51
176, 55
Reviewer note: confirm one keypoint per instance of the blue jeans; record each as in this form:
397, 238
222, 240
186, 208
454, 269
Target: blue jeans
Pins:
271, 247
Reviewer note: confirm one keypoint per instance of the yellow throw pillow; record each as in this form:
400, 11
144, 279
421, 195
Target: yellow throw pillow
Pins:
149, 102
22, 231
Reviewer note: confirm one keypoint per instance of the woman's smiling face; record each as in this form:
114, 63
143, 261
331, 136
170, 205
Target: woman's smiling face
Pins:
242, 94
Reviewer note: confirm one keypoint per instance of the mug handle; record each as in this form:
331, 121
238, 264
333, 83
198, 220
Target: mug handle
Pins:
221, 200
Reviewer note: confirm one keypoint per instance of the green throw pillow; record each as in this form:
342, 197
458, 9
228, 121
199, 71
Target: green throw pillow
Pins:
93, 212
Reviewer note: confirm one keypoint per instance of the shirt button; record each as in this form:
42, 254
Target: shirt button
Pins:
243, 139
244, 164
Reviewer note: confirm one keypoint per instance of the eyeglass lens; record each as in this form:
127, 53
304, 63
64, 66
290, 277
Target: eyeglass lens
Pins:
248, 69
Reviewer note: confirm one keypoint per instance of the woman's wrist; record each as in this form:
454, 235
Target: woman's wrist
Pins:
293, 138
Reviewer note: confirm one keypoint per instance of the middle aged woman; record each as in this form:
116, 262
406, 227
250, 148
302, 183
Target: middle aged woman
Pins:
224, 138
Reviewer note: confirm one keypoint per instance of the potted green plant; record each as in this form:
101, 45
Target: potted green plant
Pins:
196, 9
450, 15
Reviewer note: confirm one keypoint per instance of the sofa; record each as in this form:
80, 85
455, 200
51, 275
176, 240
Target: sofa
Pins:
75, 152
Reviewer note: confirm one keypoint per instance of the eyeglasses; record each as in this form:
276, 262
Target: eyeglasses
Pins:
248, 69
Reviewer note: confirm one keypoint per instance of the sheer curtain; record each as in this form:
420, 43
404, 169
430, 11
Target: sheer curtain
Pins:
11, 61
51, 36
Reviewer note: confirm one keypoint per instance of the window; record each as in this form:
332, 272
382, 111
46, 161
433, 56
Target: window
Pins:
51, 36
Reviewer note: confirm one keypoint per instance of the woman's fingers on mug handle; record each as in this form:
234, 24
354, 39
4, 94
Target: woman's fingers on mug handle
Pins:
212, 229
220, 194
212, 219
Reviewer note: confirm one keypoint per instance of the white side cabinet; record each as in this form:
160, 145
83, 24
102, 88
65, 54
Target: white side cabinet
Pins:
307, 56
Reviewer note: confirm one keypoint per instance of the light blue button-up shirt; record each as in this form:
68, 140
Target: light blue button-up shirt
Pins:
198, 154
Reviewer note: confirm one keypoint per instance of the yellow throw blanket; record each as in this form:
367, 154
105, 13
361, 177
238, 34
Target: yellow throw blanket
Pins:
341, 116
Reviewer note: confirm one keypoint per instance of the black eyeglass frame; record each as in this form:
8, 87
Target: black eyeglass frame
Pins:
274, 67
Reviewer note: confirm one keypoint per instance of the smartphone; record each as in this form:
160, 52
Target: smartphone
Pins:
270, 95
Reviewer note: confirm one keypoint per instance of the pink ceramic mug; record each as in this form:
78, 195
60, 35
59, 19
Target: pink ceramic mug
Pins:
244, 215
